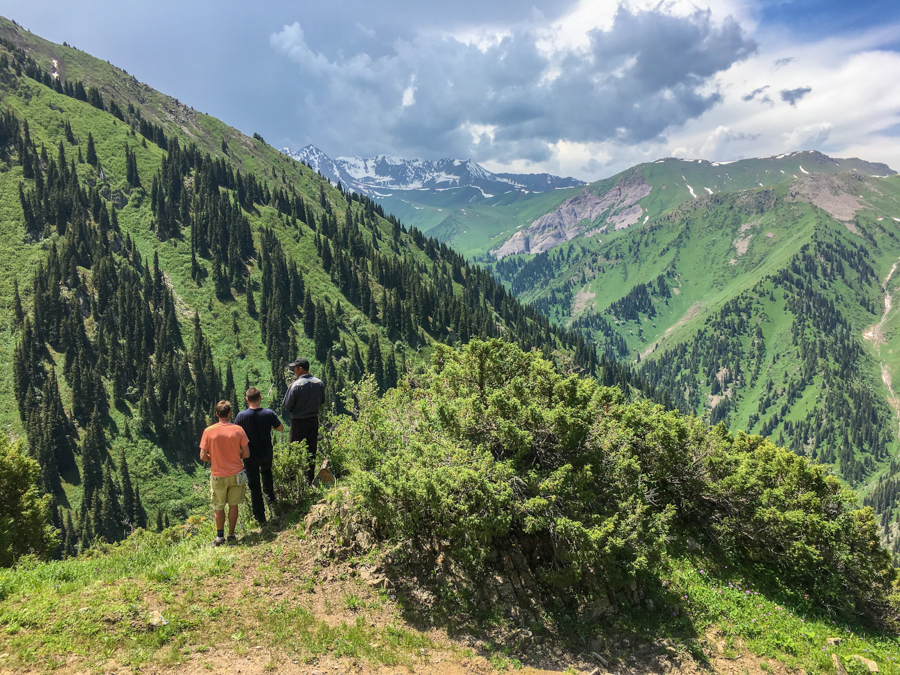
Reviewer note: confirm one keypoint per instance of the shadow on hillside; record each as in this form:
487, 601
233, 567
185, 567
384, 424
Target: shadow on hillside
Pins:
643, 629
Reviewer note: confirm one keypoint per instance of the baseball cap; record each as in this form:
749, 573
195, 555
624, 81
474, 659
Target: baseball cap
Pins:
303, 363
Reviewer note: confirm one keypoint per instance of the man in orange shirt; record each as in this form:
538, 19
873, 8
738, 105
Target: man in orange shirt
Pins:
225, 445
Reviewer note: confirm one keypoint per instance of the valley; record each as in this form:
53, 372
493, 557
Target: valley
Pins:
646, 424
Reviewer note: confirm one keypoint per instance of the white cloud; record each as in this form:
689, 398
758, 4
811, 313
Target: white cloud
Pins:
409, 96
808, 136
651, 69
604, 87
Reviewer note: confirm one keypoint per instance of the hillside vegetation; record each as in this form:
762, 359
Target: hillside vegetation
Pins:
533, 519
763, 308
155, 260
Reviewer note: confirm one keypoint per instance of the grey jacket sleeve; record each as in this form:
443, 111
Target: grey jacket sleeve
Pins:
290, 398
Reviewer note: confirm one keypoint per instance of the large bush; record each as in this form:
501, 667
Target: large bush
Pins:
492, 448
24, 515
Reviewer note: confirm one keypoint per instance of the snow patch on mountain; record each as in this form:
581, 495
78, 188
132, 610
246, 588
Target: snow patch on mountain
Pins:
385, 172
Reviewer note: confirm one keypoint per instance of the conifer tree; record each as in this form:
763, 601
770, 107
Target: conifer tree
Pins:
91, 460
71, 541
111, 517
139, 516
129, 503
251, 301
91, 151
309, 315
18, 312
230, 390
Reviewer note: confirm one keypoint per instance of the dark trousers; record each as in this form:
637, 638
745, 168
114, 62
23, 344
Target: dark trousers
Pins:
255, 471
307, 430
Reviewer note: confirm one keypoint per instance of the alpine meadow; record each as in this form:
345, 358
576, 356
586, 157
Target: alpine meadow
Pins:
641, 425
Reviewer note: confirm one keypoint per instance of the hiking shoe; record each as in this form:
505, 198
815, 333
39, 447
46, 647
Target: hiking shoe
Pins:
218, 541
232, 539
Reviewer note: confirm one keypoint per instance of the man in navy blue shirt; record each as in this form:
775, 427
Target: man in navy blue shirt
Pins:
258, 424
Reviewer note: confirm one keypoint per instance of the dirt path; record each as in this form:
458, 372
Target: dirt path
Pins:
876, 337
692, 311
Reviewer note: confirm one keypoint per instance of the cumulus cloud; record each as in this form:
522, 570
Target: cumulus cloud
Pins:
808, 136
718, 141
649, 71
794, 95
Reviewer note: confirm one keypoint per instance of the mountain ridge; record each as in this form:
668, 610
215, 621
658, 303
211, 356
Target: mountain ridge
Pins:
386, 172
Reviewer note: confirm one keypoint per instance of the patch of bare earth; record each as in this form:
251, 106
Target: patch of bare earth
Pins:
833, 193
692, 311
575, 216
582, 299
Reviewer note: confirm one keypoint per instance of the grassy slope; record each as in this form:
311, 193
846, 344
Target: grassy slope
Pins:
475, 224
469, 221
279, 600
708, 271
163, 482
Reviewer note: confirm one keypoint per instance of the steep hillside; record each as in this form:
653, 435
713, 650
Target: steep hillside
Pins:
648, 191
155, 260
763, 307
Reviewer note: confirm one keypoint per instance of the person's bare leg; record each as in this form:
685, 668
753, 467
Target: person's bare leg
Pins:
220, 519
232, 518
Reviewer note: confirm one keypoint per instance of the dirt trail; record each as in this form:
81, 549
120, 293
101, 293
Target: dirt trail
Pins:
876, 337
692, 311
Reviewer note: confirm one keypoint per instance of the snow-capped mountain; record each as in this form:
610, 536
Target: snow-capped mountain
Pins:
374, 175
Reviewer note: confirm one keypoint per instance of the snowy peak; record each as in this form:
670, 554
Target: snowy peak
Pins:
384, 172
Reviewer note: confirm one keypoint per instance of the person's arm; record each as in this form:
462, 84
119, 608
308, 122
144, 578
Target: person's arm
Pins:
276, 421
245, 444
204, 448
290, 397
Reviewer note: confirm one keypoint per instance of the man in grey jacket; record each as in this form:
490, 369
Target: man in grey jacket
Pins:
303, 399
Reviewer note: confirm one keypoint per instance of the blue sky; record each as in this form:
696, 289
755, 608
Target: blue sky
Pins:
572, 87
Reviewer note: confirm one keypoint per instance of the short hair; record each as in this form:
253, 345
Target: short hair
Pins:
223, 409
253, 394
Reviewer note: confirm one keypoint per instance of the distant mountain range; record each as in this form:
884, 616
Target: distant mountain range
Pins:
377, 175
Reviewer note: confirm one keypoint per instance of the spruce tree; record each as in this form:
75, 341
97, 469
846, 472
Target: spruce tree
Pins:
230, 390
251, 301
129, 502
111, 517
91, 151
309, 315
139, 516
18, 312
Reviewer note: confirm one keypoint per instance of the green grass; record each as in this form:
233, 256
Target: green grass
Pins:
99, 606
750, 606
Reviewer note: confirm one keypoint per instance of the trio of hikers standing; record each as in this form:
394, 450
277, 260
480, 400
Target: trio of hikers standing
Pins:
241, 454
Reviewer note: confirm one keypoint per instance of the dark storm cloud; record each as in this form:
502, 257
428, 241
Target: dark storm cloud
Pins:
794, 95
508, 100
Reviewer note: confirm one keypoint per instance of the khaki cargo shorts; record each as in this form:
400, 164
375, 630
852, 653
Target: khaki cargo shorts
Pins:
227, 490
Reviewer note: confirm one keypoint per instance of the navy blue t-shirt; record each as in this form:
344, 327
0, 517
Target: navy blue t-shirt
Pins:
258, 424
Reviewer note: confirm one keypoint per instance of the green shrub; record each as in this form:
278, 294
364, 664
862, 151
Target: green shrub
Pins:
491, 449
289, 466
24, 515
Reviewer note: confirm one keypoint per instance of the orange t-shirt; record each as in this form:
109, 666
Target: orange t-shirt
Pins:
223, 441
